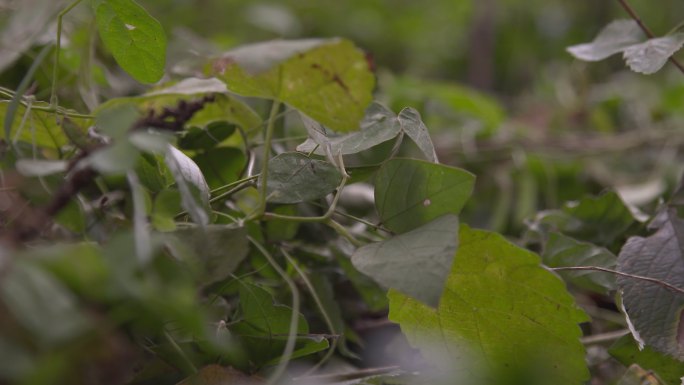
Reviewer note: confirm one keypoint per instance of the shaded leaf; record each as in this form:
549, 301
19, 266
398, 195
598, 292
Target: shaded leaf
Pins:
378, 126
612, 39
415, 263
667, 368
410, 192
651, 55
655, 311
135, 39
327, 79
413, 126
219, 375
294, 178
562, 251
221, 166
42, 305
206, 138
502, 318
214, 250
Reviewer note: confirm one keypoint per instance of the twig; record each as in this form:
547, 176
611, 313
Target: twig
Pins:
603, 337
646, 30
627, 275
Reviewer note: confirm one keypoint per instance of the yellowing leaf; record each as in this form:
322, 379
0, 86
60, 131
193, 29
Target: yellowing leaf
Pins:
502, 318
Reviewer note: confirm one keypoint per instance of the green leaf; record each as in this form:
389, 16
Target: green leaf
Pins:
221, 166
327, 79
562, 251
502, 318
378, 126
214, 250
627, 351
294, 178
410, 193
416, 263
135, 39
655, 311
206, 138
42, 304
612, 39
41, 128
650, 56
413, 126
601, 220
167, 204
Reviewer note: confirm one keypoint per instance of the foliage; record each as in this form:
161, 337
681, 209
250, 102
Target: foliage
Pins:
252, 214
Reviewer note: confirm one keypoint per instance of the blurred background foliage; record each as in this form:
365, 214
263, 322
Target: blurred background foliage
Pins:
491, 78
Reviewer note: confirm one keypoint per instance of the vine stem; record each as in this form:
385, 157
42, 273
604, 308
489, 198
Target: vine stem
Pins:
294, 319
632, 13
270, 127
626, 275
55, 68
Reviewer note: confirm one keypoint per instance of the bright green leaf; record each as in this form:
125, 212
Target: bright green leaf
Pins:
327, 79
627, 351
135, 39
410, 192
294, 178
502, 318
416, 263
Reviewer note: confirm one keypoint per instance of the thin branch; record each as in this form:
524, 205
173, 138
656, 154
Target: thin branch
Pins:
646, 30
627, 275
603, 337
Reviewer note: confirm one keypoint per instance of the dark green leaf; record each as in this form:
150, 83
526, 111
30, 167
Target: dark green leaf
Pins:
655, 311
415, 263
627, 351
206, 138
410, 193
502, 318
327, 79
135, 39
562, 251
294, 178
413, 126
221, 166
214, 250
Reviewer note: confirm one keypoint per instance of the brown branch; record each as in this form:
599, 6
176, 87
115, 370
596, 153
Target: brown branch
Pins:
646, 30
626, 275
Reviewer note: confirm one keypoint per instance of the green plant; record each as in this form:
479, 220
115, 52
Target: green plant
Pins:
159, 238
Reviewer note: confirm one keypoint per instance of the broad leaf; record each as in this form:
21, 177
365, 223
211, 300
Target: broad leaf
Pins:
204, 139
410, 193
214, 250
34, 297
327, 79
667, 368
221, 166
650, 56
502, 318
191, 184
415, 263
41, 128
378, 126
294, 178
614, 38
563, 251
135, 39
655, 311
413, 126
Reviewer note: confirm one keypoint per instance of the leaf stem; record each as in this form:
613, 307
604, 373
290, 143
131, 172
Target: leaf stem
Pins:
263, 187
294, 319
626, 275
603, 337
55, 68
321, 308
190, 367
632, 13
